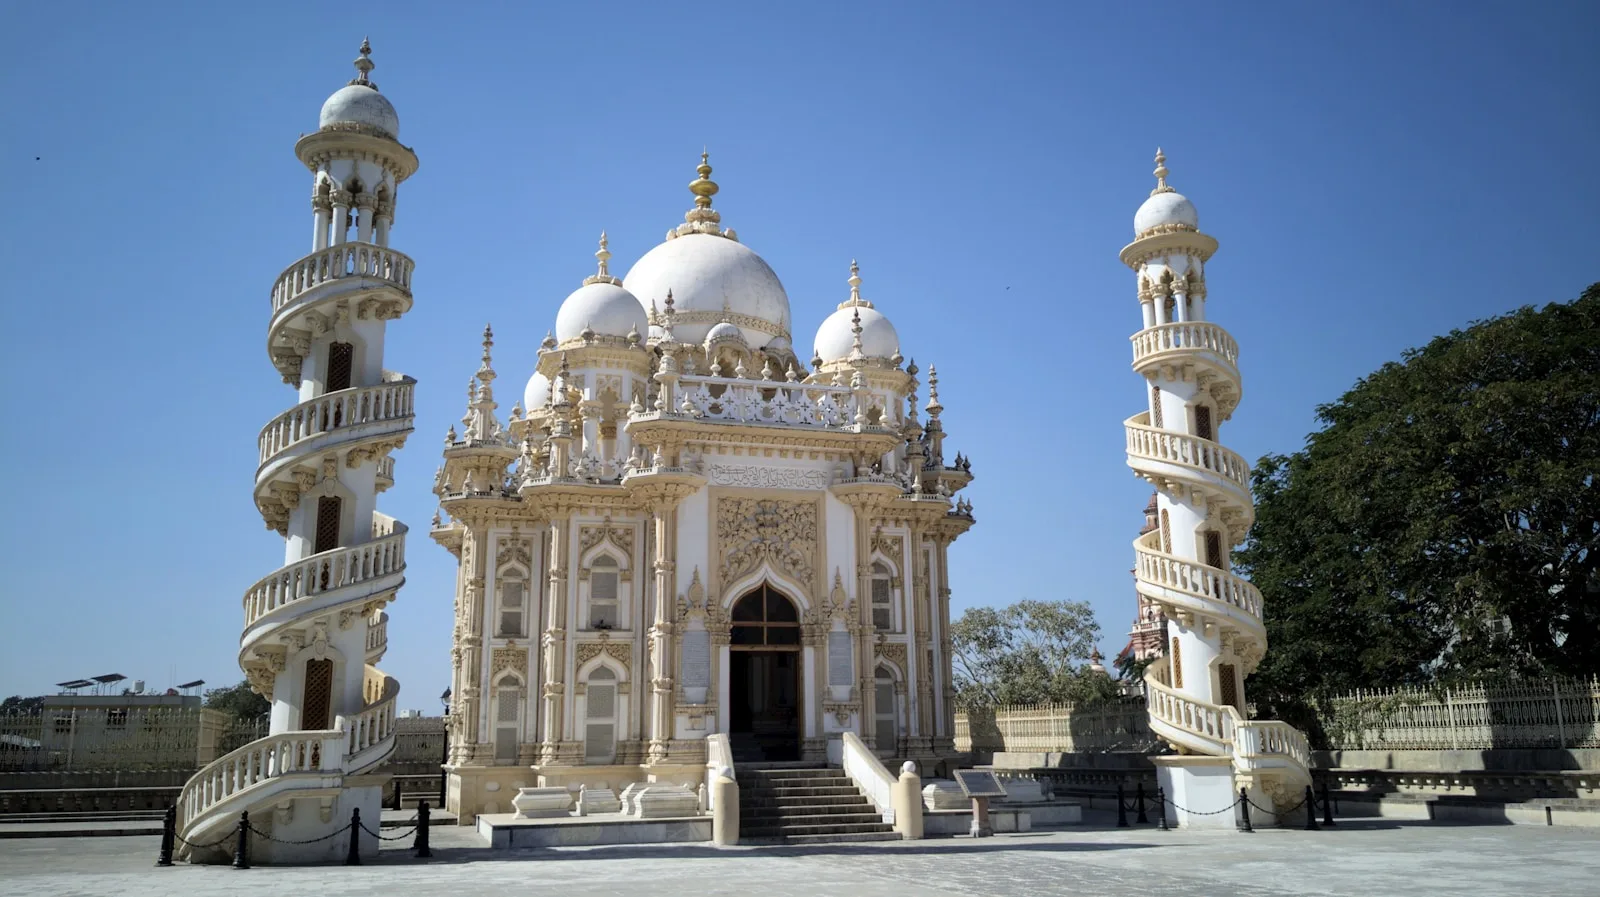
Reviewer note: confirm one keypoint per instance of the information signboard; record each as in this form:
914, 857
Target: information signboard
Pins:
979, 783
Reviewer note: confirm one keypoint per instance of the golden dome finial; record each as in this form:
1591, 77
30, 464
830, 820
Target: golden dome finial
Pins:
703, 187
1161, 174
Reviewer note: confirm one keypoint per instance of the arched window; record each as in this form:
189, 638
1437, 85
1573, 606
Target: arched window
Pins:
885, 719
882, 598
507, 719
600, 717
603, 576
513, 597
765, 617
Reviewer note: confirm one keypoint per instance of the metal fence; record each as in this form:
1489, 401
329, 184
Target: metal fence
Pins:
92, 738
1529, 713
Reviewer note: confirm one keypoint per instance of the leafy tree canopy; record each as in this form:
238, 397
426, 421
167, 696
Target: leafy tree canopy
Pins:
1027, 653
20, 704
1442, 524
238, 701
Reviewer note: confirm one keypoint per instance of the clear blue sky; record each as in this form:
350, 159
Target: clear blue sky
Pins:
1376, 174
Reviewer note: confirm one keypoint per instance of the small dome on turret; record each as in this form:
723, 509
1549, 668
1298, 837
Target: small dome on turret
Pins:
601, 305
1166, 206
724, 331
359, 102
537, 393
837, 335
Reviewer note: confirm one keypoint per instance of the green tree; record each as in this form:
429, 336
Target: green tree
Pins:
238, 701
1442, 524
1029, 652
19, 704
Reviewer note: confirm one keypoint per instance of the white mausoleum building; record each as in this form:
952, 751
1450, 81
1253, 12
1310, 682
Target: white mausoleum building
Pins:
685, 528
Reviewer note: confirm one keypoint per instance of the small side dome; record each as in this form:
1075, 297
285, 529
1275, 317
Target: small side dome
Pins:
537, 393
605, 308
836, 336
359, 103
723, 331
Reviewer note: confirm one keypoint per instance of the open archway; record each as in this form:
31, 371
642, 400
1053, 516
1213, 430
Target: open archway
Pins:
764, 677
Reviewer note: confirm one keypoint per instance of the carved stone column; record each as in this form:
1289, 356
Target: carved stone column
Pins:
555, 639
662, 634
472, 668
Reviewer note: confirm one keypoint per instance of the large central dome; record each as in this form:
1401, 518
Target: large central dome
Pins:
711, 278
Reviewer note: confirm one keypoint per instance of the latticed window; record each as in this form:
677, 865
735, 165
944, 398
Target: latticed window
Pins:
884, 711
1166, 532
329, 510
882, 599
600, 717
1228, 679
603, 578
512, 598
341, 361
1213, 548
318, 694
1177, 663
507, 715
1202, 421
1155, 406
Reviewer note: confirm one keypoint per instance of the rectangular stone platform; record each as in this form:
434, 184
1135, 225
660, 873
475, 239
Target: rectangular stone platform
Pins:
506, 831
1004, 818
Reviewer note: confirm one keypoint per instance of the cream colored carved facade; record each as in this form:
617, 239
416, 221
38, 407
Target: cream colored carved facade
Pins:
674, 458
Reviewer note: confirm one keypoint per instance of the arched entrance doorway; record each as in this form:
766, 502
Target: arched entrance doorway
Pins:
764, 677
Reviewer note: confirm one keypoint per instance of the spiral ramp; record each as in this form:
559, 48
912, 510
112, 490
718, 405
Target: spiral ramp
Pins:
326, 597
1203, 597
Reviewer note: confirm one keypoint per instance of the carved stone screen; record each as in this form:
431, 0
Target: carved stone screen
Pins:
840, 667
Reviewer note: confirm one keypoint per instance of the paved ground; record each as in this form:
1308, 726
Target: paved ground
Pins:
1369, 858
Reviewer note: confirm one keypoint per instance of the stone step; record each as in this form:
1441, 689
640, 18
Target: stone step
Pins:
804, 809
841, 828
890, 835
807, 792
785, 822
789, 773
797, 782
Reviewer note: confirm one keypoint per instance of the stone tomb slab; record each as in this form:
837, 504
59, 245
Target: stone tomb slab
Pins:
542, 803
507, 831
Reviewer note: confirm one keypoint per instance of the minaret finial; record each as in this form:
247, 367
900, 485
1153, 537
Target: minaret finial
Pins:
855, 289
703, 187
603, 257
1161, 174
933, 407
365, 65
488, 346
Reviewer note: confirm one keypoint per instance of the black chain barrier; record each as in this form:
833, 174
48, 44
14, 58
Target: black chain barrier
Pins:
241, 852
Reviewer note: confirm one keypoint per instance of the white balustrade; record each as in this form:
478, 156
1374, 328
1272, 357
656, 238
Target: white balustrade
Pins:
326, 572
257, 762
777, 402
378, 633
343, 260
336, 410
869, 774
374, 724
1192, 335
1183, 575
1210, 721
1268, 739
386, 468
1145, 441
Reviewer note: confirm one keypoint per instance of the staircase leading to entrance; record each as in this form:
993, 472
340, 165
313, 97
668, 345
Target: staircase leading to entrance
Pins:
806, 806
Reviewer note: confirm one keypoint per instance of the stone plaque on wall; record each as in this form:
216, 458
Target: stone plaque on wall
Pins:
840, 667
696, 659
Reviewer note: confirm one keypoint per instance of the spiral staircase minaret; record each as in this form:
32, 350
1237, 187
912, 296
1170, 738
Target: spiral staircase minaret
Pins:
1215, 632
314, 628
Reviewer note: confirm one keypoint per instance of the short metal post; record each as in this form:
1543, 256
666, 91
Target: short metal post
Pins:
396, 805
1161, 807
352, 857
241, 851
1139, 796
169, 831
421, 844
1327, 804
1244, 811
1311, 810
1122, 809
